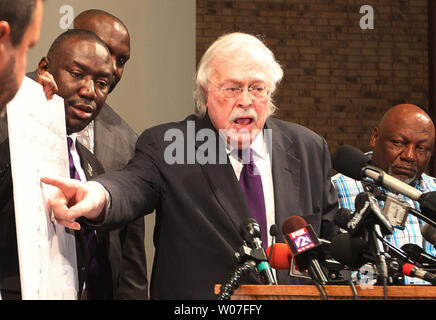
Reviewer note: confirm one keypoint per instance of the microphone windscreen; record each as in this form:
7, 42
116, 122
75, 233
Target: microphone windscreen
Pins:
293, 223
418, 254
349, 161
342, 216
281, 256
250, 229
407, 269
361, 200
273, 231
347, 250
427, 202
429, 233
413, 251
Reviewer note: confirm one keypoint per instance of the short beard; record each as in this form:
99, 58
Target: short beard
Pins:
409, 181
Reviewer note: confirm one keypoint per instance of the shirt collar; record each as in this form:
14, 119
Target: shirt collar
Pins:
258, 146
73, 136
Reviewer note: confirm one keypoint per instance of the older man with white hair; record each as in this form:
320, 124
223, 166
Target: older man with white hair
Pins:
208, 174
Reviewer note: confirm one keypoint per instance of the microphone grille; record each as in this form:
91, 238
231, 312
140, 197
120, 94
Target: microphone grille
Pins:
292, 224
347, 250
342, 216
429, 233
349, 161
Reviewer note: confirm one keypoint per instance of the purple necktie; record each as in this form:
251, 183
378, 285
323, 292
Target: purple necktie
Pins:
73, 172
90, 239
251, 185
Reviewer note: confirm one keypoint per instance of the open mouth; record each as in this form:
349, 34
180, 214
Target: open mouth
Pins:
243, 121
83, 111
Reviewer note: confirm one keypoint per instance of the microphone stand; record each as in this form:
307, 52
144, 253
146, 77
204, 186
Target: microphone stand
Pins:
373, 237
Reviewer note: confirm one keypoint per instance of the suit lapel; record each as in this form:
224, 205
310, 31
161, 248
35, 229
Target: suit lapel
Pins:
286, 175
223, 181
102, 131
90, 165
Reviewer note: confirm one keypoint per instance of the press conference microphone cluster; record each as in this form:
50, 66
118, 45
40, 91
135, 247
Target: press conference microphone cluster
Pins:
363, 243
355, 252
353, 163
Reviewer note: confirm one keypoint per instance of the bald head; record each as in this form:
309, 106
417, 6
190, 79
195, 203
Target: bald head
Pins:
113, 32
406, 113
403, 142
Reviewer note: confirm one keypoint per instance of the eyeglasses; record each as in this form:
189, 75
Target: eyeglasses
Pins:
256, 91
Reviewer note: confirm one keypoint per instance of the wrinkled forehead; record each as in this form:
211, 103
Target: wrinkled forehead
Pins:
239, 66
88, 54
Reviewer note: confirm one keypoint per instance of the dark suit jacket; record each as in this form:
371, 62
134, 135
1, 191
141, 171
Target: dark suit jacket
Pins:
114, 146
199, 208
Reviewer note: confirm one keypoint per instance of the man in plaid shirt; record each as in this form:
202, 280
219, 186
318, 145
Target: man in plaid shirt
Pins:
402, 145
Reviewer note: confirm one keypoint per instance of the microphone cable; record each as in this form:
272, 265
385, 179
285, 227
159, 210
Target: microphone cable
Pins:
227, 289
353, 289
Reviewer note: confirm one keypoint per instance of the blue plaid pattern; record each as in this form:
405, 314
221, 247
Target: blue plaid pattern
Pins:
348, 189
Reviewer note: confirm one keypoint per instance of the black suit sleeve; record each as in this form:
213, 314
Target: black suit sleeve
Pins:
135, 190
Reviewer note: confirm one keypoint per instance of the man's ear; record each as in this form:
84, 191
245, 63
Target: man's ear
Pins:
5, 41
374, 137
43, 66
46, 79
5, 31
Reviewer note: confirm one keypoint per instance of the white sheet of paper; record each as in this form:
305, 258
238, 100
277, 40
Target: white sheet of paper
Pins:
38, 146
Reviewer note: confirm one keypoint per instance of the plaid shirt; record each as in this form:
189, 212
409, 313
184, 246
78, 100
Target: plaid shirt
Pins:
348, 189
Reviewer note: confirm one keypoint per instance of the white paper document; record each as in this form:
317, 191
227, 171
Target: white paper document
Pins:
38, 146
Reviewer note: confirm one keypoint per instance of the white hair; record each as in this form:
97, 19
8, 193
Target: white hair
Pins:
235, 47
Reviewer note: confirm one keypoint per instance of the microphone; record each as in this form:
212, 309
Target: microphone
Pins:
429, 233
413, 271
351, 252
250, 231
273, 232
367, 214
417, 254
354, 163
341, 218
280, 256
305, 247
